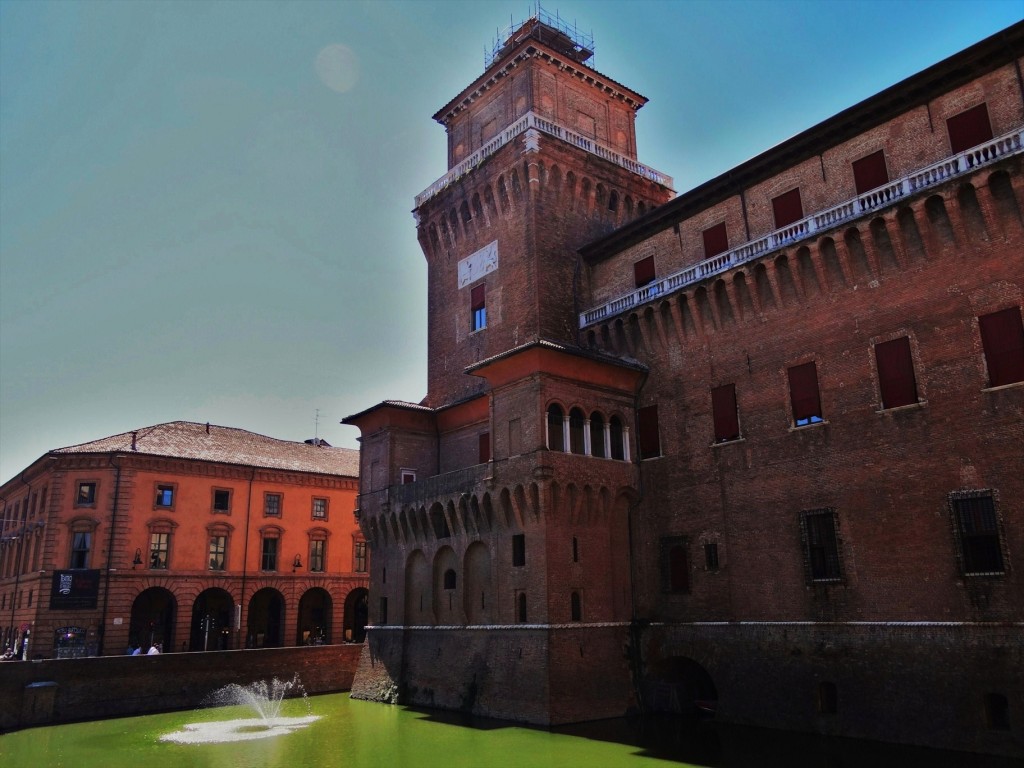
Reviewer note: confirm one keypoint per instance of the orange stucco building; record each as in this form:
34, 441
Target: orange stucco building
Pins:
193, 536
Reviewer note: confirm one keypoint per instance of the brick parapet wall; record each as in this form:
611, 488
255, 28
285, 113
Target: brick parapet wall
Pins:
66, 690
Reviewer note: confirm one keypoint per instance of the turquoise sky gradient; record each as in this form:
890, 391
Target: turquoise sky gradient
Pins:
198, 221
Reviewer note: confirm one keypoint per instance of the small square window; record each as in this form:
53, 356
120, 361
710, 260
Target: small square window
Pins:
86, 495
221, 500
164, 496
272, 505
319, 509
408, 476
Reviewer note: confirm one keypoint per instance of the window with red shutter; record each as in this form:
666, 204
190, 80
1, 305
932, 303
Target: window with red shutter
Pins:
896, 380
969, 128
1002, 339
787, 208
643, 272
803, 391
716, 240
870, 172
648, 440
478, 307
726, 418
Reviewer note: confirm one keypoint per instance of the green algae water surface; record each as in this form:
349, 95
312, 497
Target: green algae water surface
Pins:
338, 732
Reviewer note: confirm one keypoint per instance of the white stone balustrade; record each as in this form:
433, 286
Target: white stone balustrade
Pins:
931, 176
551, 128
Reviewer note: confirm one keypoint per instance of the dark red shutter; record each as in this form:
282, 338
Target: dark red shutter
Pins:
870, 172
787, 208
896, 373
485, 447
716, 240
477, 298
1002, 338
723, 407
969, 129
643, 272
647, 432
803, 390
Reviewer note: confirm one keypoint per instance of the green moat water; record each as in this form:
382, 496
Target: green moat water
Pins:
356, 734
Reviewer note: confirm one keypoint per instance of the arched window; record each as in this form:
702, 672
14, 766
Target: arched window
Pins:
576, 426
597, 435
616, 434
556, 430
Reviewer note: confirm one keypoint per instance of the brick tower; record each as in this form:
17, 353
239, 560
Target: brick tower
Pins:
497, 508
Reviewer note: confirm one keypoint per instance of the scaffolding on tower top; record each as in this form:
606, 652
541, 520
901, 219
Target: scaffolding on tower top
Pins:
552, 30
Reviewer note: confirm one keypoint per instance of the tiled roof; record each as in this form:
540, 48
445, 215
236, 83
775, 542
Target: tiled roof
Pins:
203, 442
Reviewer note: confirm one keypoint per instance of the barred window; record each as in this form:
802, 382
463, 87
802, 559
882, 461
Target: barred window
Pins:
821, 545
976, 527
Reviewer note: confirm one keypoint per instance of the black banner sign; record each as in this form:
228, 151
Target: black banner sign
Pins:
74, 589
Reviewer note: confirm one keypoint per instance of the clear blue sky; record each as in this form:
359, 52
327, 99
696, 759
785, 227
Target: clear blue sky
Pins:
205, 206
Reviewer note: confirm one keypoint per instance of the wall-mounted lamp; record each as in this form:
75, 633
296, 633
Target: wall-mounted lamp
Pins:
138, 559
296, 563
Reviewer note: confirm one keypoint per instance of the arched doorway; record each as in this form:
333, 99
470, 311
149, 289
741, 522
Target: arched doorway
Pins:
314, 626
680, 686
356, 613
153, 616
266, 620
212, 621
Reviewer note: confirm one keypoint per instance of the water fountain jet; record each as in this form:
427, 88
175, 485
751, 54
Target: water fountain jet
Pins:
263, 698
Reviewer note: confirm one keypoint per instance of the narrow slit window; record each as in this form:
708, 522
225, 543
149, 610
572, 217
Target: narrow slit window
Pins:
647, 432
724, 413
478, 307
